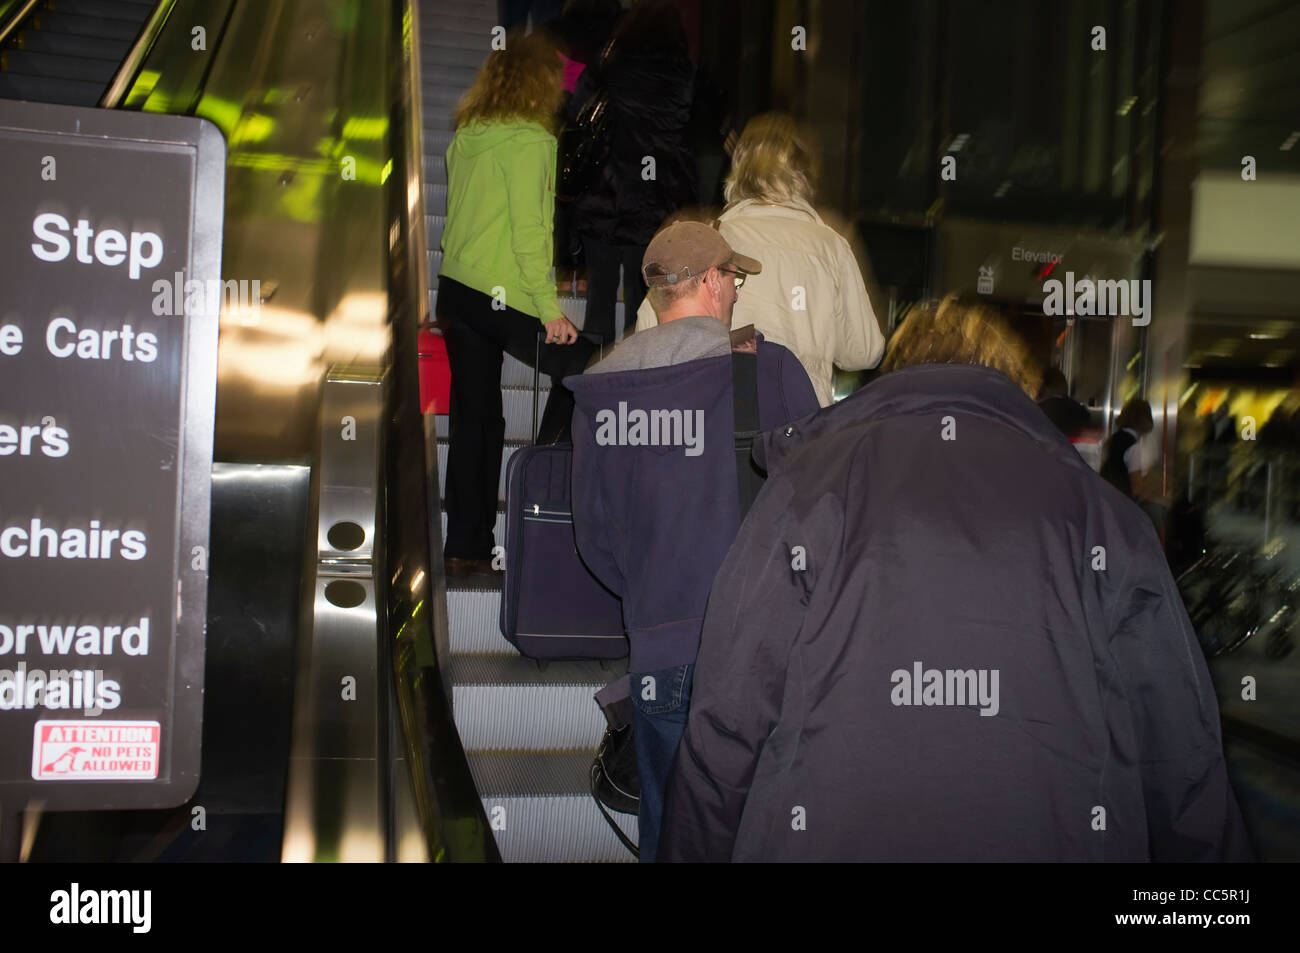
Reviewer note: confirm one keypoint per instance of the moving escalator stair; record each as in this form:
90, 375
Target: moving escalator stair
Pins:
529, 731
67, 51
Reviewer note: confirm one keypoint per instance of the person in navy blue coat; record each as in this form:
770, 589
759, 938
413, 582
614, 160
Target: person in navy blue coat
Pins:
656, 498
939, 636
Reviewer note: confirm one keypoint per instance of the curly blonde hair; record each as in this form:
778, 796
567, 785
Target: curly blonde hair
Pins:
522, 82
775, 160
958, 331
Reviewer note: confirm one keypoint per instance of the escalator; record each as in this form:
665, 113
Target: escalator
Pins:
67, 51
530, 730
454, 727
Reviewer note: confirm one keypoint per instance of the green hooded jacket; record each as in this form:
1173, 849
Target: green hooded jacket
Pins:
500, 213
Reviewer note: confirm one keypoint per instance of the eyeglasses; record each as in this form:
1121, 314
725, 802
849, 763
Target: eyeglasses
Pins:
737, 276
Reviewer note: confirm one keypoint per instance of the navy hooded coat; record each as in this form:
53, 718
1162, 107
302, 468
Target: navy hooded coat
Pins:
928, 535
653, 521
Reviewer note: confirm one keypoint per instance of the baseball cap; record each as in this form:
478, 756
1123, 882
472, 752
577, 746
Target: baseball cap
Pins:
685, 249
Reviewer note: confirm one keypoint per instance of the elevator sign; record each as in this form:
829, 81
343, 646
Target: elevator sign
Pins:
106, 423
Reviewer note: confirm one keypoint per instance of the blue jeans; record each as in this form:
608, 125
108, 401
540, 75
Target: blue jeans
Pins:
660, 702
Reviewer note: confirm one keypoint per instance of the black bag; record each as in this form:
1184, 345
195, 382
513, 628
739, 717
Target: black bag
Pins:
585, 142
615, 783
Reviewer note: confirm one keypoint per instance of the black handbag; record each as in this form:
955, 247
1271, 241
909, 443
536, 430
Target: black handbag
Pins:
585, 142
615, 783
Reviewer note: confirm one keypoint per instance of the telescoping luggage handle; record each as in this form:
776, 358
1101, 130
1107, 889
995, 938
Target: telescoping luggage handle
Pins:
594, 336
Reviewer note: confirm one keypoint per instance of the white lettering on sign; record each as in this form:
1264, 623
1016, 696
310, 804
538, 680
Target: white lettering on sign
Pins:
64, 339
23, 440
80, 751
37, 539
79, 638
142, 250
22, 688
11, 340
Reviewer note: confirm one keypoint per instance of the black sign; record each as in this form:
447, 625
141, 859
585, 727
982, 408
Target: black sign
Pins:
109, 222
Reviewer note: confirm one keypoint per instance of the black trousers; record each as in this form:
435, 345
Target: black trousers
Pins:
603, 263
477, 336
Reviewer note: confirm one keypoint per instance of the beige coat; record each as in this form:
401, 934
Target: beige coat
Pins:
810, 296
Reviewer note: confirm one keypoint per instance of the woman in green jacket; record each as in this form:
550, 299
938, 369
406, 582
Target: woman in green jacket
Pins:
495, 289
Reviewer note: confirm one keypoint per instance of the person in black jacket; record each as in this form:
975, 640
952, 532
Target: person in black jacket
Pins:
647, 77
1121, 464
940, 636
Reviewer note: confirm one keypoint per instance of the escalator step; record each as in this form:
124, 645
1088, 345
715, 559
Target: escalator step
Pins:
447, 75
43, 89
477, 612
557, 830
135, 10
30, 63
516, 671
438, 116
435, 172
70, 44
435, 195
436, 141
528, 717
546, 808
509, 703
461, 34
445, 54
446, 13
537, 774
103, 27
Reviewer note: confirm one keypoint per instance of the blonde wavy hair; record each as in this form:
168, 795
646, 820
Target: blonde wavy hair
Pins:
958, 331
775, 160
522, 82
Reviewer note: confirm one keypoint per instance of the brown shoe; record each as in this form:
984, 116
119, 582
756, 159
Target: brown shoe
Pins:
460, 568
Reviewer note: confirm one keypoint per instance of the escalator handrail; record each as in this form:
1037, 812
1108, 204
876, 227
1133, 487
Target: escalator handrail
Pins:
144, 42
451, 813
417, 236
10, 21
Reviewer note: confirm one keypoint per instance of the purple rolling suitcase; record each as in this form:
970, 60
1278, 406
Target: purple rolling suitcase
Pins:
551, 606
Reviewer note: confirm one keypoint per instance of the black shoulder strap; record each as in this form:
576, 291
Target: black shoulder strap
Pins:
744, 397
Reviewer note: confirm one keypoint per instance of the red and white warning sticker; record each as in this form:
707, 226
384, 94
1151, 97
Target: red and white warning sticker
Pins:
95, 750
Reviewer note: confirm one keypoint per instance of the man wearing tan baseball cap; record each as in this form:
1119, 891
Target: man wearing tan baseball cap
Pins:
692, 280
651, 525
